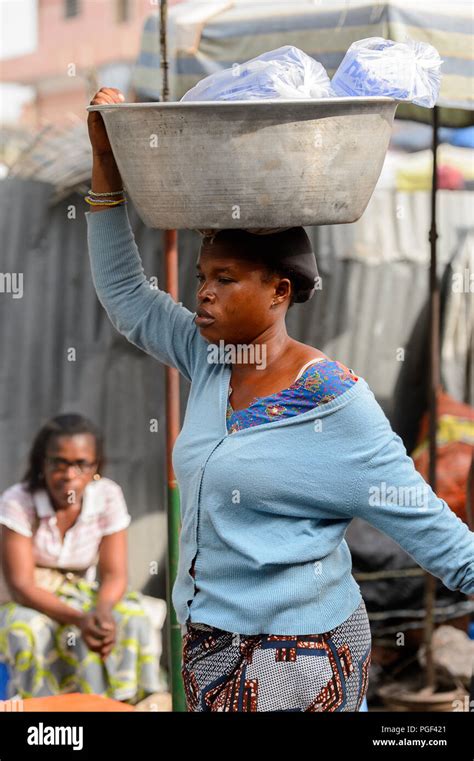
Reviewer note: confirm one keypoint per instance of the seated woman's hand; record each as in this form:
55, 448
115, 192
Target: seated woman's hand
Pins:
103, 614
98, 631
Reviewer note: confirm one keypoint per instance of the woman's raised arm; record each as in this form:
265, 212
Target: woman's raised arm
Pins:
146, 315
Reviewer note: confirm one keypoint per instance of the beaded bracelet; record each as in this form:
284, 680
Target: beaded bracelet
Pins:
104, 199
93, 202
111, 193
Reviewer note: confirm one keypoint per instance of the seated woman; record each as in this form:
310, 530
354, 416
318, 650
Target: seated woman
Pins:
60, 630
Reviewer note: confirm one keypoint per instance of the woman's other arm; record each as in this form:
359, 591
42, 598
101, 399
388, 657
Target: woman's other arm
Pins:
389, 493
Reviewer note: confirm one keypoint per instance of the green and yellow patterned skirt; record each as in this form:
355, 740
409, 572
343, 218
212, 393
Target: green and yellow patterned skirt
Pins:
48, 658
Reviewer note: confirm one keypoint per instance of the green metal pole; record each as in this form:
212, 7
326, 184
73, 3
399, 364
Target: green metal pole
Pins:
174, 638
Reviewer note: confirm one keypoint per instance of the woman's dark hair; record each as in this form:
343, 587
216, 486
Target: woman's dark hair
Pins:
300, 287
287, 253
61, 425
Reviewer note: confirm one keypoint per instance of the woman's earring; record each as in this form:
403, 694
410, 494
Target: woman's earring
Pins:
96, 476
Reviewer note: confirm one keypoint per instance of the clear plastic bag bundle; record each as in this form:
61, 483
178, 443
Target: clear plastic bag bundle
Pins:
403, 70
286, 72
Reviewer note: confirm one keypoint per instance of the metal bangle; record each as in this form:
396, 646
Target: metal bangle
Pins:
104, 200
111, 193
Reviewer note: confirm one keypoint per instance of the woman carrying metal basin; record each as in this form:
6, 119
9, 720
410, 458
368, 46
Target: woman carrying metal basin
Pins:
280, 448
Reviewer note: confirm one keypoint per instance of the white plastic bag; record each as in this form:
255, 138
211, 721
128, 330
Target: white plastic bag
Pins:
286, 72
403, 70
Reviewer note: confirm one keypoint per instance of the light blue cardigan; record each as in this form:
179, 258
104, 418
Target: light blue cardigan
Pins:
266, 508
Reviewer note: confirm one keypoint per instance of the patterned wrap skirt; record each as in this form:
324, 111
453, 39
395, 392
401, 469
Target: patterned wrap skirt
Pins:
230, 672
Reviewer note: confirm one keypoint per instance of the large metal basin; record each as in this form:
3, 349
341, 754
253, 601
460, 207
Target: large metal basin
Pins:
269, 163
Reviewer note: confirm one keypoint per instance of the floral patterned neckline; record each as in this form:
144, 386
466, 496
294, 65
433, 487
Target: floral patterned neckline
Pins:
258, 399
319, 384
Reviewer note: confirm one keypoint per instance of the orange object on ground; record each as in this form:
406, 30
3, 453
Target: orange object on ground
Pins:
75, 701
455, 439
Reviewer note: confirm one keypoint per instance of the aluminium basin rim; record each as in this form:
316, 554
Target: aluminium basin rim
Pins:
369, 99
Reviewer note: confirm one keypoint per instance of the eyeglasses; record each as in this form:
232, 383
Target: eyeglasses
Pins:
60, 465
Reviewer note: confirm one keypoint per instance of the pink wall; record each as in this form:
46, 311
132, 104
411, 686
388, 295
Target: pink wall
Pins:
92, 38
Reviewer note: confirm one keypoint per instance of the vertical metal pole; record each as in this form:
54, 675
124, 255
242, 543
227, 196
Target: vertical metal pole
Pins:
170, 241
163, 49
434, 381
